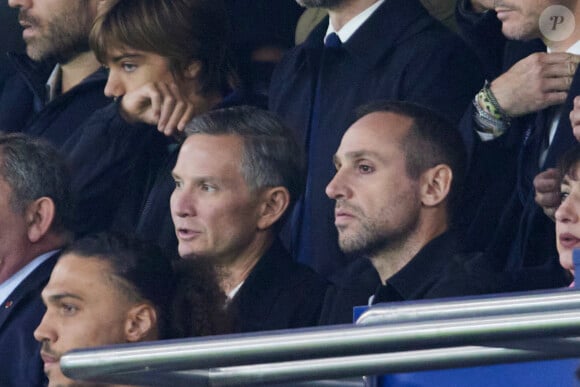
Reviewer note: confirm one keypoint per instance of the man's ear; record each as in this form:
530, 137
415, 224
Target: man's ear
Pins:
39, 217
275, 201
435, 185
141, 323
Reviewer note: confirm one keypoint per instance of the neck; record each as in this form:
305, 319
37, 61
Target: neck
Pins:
26, 253
561, 46
393, 258
346, 11
77, 69
236, 269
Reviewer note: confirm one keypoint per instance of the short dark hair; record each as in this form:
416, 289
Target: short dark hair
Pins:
140, 270
33, 168
143, 273
179, 30
569, 160
271, 155
431, 140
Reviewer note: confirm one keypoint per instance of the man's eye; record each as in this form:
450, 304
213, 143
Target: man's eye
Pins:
365, 168
563, 196
178, 184
68, 309
207, 188
129, 67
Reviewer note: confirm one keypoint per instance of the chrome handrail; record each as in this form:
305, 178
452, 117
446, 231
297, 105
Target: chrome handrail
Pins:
313, 353
462, 307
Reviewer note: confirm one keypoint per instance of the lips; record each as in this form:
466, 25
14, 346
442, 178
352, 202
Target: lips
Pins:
28, 29
49, 360
342, 217
502, 13
186, 234
28, 24
568, 241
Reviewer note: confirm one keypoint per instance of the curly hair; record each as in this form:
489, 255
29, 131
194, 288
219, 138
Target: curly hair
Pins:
198, 308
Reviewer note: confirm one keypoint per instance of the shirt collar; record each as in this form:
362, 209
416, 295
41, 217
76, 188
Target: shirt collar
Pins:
353, 25
53, 84
232, 293
8, 286
425, 268
573, 49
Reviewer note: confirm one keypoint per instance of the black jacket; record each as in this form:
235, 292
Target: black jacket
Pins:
438, 270
278, 294
500, 215
109, 159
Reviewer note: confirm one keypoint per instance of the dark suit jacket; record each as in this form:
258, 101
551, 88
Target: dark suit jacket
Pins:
19, 316
278, 294
399, 53
501, 216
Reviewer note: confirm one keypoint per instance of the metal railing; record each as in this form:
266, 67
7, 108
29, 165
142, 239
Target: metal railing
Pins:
406, 337
509, 303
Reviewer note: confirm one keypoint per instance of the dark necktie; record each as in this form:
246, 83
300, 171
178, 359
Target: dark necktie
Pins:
304, 238
332, 41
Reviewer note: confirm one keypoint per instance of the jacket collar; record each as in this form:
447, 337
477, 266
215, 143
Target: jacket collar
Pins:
391, 24
35, 74
30, 287
415, 278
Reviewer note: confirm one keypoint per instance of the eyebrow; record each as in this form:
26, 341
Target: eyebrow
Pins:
54, 298
357, 155
197, 179
128, 55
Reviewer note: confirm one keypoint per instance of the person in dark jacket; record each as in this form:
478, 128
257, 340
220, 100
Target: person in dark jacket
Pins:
168, 61
399, 175
57, 94
36, 216
237, 175
517, 128
391, 49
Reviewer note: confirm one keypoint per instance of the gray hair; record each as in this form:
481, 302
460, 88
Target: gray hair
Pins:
33, 169
271, 156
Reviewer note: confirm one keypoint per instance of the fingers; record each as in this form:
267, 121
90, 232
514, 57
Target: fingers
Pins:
575, 118
547, 186
158, 104
535, 82
176, 110
169, 105
547, 181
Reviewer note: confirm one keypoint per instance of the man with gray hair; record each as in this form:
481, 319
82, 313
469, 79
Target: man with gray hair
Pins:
36, 212
237, 175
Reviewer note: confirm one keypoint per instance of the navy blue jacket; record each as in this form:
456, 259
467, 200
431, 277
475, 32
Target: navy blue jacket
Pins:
399, 53
500, 215
109, 159
20, 314
278, 294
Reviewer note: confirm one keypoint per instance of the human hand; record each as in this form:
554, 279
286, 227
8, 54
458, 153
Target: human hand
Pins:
575, 118
535, 82
547, 186
158, 104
